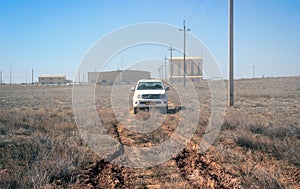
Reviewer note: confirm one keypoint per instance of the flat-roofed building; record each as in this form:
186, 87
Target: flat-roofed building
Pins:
117, 77
194, 66
52, 80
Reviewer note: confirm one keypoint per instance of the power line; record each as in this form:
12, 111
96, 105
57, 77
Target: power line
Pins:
211, 8
195, 10
206, 13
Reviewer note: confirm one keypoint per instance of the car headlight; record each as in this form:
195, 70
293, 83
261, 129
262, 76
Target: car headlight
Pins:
139, 96
162, 96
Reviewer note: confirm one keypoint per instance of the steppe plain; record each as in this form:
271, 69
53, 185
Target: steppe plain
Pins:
258, 145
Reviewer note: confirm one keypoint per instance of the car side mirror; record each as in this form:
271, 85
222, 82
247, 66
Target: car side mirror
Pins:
167, 88
132, 89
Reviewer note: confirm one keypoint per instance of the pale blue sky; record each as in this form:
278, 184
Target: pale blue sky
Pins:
52, 36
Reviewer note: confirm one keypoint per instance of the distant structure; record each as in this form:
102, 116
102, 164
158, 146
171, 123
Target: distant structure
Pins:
52, 80
194, 66
117, 77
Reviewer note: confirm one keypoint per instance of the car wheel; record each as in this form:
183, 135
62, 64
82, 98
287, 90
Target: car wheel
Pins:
135, 110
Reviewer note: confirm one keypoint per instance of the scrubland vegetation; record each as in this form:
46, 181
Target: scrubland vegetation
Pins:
257, 147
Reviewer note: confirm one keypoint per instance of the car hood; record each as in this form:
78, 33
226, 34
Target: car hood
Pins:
141, 92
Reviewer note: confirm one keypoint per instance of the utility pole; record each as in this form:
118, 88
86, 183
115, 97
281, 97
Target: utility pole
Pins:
10, 75
122, 63
1, 77
253, 71
78, 77
171, 49
31, 76
184, 46
162, 71
165, 67
230, 54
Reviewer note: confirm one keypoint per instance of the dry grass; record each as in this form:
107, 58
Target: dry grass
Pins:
258, 146
39, 146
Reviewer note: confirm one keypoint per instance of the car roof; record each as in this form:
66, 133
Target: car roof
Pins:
151, 79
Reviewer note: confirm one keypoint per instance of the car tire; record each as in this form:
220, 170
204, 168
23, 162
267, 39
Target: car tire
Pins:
135, 110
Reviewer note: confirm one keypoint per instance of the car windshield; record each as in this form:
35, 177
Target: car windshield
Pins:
150, 86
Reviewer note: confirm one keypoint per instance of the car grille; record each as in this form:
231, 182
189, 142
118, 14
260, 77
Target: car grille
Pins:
150, 103
150, 96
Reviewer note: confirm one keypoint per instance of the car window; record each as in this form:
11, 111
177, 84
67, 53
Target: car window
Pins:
150, 86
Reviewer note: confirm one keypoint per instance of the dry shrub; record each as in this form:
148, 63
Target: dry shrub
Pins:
260, 132
278, 131
40, 148
286, 148
260, 178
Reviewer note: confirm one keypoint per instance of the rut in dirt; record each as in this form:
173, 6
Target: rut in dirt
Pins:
187, 170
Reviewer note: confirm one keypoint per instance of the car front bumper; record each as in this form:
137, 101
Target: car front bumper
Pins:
160, 103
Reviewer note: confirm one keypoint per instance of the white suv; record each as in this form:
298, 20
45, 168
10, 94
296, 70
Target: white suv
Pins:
150, 93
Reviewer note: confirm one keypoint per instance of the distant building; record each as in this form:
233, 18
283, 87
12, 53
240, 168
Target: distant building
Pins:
194, 66
52, 80
117, 77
